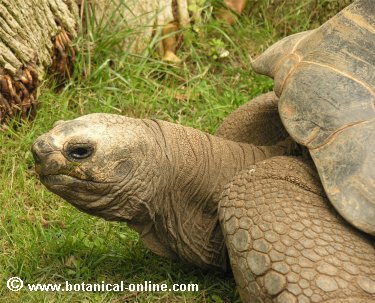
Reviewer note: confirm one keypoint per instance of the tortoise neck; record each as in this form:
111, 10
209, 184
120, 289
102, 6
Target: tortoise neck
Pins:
196, 167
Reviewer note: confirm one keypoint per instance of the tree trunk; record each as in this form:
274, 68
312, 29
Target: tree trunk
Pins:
35, 37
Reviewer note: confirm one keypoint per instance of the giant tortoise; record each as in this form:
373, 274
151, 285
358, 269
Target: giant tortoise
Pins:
205, 198
172, 184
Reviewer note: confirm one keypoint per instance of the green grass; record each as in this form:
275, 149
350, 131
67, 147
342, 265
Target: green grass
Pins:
45, 240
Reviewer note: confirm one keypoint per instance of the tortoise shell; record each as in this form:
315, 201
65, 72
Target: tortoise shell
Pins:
325, 79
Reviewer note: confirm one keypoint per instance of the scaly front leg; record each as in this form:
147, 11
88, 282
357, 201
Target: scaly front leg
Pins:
285, 241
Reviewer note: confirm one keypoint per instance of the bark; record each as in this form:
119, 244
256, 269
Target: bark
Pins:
35, 38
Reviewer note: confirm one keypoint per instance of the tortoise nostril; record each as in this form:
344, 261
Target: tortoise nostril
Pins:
39, 149
35, 152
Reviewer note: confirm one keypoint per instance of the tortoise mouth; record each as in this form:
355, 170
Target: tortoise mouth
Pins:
73, 183
68, 186
92, 197
59, 179
64, 185
84, 194
63, 179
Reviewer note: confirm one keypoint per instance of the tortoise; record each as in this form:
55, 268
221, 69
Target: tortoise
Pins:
207, 199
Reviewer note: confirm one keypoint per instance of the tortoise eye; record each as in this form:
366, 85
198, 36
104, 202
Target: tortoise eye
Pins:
80, 152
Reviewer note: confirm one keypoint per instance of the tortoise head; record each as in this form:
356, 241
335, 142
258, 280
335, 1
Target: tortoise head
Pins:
96, 163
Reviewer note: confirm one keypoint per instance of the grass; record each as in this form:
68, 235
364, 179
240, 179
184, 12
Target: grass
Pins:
45, 240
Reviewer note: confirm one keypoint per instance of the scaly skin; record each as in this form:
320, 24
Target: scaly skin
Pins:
285, 241
164, 179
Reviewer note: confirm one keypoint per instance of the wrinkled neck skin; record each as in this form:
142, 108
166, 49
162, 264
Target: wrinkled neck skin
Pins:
178, 186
